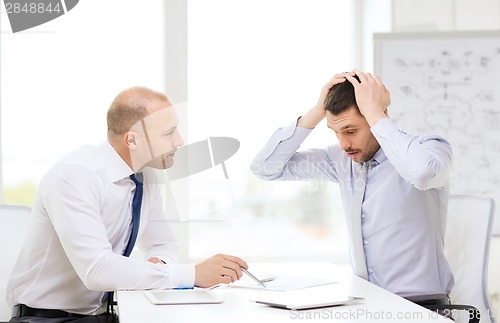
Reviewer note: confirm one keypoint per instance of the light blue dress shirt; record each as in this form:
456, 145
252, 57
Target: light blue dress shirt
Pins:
404, 207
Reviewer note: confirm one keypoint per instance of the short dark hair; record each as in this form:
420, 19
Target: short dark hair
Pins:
341, 97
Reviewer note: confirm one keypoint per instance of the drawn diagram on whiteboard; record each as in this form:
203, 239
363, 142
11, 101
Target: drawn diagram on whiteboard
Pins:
451, 89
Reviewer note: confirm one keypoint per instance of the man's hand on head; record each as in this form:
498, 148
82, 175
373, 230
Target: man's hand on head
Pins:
336, 79
318, 112
372, 96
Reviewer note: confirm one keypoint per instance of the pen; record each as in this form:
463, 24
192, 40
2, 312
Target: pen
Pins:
253, 277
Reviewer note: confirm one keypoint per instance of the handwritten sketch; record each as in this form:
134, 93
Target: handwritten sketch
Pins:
449, 86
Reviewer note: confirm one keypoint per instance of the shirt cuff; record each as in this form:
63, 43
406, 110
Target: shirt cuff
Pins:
298, 133
292, 130
181, 275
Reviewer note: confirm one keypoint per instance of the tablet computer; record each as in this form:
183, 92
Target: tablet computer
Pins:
182, 296
304, 304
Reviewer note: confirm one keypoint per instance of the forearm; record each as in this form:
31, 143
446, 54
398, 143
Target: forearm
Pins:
115, 272
423, 161
312, 118
375, 117
270, 162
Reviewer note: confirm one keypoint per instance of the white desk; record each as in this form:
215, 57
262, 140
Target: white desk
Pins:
379, 305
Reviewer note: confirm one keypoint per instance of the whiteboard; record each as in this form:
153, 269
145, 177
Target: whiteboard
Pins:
448, 83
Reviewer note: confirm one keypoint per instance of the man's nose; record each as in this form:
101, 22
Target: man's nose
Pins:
344, 143
178, 141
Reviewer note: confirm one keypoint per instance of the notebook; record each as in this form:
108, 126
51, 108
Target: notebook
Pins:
182, 296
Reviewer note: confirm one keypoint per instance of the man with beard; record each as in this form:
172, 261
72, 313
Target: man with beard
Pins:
394, 185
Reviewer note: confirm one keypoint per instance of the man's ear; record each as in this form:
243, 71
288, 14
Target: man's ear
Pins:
130, 139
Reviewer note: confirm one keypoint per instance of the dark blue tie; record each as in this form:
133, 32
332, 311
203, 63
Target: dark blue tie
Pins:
136, 217
136, 212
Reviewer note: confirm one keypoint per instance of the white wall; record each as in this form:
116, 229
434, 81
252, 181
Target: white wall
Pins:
368, 17
454, 15
445, 15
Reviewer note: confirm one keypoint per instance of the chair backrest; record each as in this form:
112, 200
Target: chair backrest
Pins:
467, 246
13, 227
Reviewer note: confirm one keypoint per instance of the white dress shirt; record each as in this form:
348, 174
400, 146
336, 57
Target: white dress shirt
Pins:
80, 226
404, 207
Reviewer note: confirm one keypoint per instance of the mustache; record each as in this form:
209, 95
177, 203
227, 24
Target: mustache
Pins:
173, 151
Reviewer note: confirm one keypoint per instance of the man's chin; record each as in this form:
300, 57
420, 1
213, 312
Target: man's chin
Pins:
167, 162
355, 157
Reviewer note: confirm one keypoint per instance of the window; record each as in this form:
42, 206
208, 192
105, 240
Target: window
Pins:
58, 80
254, 66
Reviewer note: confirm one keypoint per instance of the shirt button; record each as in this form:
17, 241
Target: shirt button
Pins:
363, 216
365, 242
370, 270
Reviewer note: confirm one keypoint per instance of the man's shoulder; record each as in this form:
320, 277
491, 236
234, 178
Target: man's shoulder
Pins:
87, 156
85, 159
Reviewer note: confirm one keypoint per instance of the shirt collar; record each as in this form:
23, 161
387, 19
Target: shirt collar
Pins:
117, 167
379, 157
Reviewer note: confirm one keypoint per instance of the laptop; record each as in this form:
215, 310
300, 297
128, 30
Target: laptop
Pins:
299, 302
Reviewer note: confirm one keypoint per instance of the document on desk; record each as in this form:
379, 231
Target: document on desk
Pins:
283, 283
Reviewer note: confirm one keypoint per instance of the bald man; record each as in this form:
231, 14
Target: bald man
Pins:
75, 251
